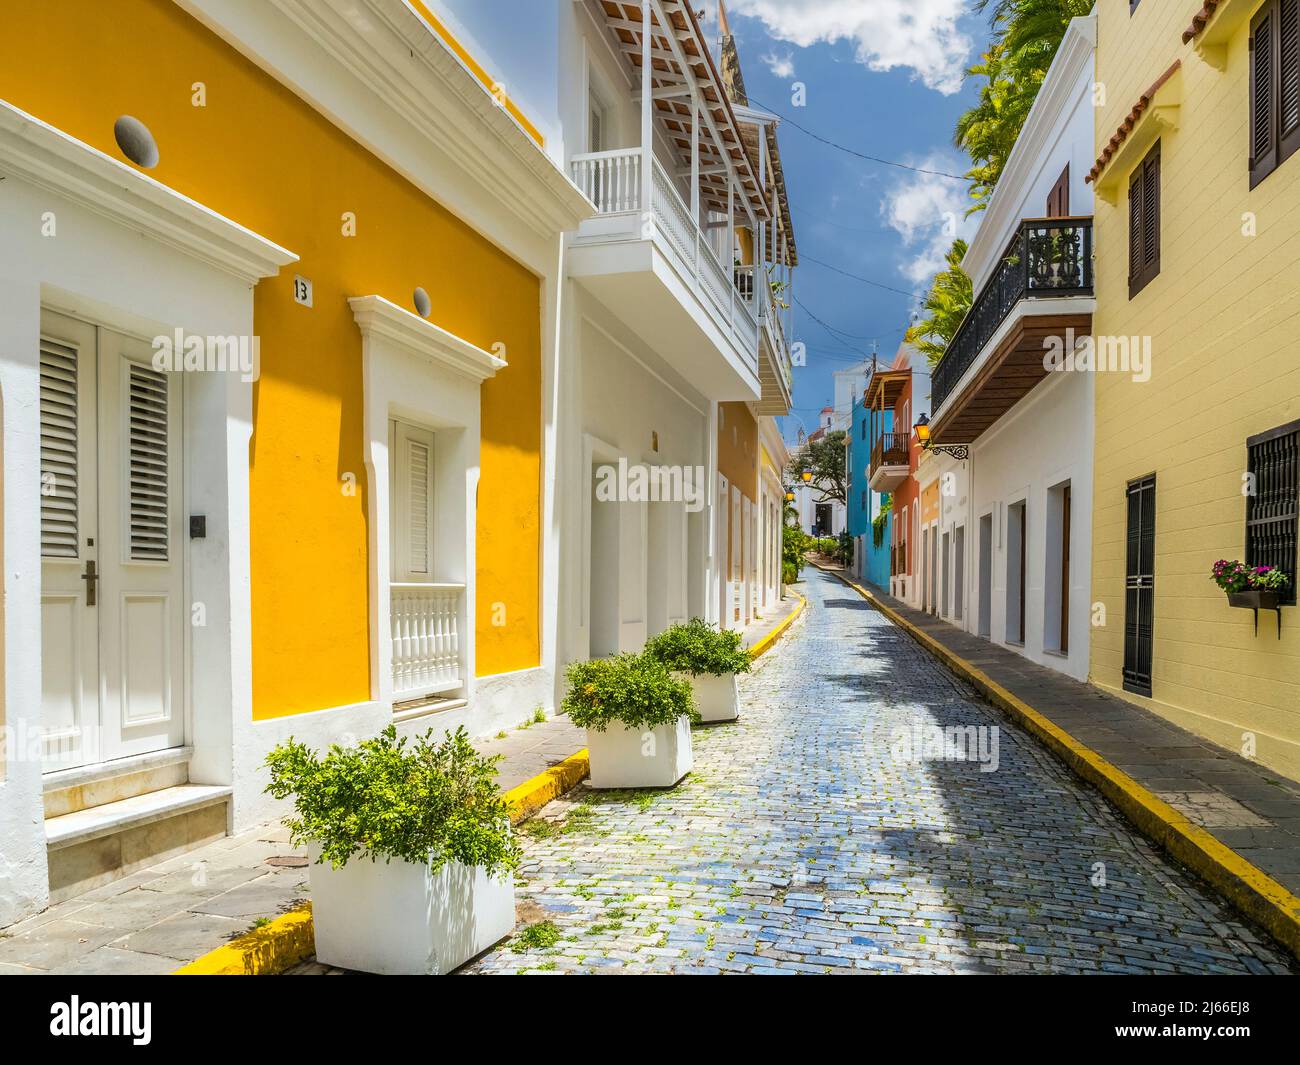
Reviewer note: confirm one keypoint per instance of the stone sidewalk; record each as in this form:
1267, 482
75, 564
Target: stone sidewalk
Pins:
160, 918
1246, 806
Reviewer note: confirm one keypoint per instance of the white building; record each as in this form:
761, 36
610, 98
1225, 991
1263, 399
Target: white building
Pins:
1007, 548
672, 348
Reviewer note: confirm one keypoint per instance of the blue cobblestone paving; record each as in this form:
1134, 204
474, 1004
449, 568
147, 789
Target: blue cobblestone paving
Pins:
804, 841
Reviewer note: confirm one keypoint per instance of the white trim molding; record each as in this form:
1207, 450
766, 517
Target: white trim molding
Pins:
392, 50
378, 317
50, 159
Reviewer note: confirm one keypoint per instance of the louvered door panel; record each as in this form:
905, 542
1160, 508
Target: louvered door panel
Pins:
1139, 586
147, 445
68, 373
143, 606
60, 459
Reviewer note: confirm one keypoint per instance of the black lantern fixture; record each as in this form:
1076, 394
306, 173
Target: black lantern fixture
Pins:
961, 452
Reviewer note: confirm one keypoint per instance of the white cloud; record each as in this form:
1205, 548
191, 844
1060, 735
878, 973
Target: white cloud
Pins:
920, 35
928, 212
781, 66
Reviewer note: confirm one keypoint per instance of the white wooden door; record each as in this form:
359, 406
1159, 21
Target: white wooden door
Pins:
69, 543
112, 544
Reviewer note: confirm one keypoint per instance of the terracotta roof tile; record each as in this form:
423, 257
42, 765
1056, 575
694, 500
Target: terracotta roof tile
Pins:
1131, 120
1199, 20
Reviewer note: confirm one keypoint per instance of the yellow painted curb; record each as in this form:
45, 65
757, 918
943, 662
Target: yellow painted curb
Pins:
1246, 886
532, 795
274, 947
291, 938
765, 644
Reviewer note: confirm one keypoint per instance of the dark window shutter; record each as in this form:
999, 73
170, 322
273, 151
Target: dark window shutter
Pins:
1288, 68
1135, 231
1263, 110
1151, 215
1144, 222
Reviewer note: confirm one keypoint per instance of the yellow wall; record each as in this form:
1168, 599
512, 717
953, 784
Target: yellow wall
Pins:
1225, 333
261, 156
738, 447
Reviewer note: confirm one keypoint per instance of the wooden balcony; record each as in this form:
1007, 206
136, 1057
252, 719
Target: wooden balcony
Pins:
1041, 289
891, 459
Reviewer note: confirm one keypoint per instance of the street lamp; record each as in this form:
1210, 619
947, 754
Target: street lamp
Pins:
960, 452
789, 497
807, 476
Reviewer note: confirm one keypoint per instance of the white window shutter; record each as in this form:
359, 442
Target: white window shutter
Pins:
412, 505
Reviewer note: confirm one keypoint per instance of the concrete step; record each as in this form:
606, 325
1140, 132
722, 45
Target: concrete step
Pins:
100, 783
92, 847
133, 812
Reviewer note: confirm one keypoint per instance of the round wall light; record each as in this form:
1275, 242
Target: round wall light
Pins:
136, 142
423, 305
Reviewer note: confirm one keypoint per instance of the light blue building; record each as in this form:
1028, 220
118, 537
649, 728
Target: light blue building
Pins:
870, 544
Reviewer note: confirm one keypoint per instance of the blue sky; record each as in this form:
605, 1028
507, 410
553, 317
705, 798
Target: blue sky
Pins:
883, 77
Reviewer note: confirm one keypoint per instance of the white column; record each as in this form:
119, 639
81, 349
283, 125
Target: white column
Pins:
695, 177
647, 115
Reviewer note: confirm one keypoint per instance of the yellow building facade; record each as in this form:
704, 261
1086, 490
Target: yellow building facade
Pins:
354, 531
1199, 258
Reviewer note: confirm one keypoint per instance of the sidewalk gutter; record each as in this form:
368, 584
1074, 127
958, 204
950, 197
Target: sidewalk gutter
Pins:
274, 947
290, 938
1252, 891
761, 647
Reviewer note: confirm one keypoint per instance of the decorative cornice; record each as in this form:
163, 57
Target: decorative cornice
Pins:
380, 318
395, 54
1213, 26
1199, 20
1042, 124
35, 151
1143, 105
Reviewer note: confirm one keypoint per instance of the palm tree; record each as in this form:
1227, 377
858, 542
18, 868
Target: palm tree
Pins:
1026, 35
945, 307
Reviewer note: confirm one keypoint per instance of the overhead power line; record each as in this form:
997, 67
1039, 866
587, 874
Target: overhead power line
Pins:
859, 277
853, 151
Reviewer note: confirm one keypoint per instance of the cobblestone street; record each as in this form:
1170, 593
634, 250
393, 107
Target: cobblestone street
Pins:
802, 842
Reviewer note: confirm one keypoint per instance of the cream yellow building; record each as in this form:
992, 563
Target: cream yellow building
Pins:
1198, 255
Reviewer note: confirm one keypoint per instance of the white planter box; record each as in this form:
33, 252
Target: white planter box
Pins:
639, 758
716, 698
398, 919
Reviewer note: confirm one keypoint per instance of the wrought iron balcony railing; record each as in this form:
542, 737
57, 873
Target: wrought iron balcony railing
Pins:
1049, 257
891, 449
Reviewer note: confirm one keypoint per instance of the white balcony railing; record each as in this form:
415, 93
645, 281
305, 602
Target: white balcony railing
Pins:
612, 180
425, 620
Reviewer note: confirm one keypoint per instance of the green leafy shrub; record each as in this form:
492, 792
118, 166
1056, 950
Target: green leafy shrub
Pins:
880, 521
794, 546
636, 690
698, 647
422, 802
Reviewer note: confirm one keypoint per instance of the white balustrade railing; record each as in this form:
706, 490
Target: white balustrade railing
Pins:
610, 180
425, 625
